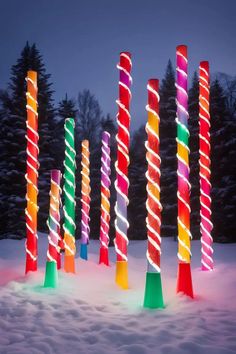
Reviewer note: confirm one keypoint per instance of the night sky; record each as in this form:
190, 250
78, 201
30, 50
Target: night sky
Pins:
80, 41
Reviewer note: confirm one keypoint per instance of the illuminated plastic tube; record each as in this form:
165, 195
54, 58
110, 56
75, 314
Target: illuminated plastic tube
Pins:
105, 196
184, 279
153, 297
51, 275
85, 200
122, 163
69, 197
60, 247
205, 165
31, 176
60, 240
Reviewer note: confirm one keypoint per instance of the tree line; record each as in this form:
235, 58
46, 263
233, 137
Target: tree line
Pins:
90, 122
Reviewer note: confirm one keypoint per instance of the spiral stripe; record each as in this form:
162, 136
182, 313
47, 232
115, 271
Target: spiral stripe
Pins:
85, 192
153, 175
105, 191
122, 163
69, 188
205, 164
53, 221
31, 175
183, 194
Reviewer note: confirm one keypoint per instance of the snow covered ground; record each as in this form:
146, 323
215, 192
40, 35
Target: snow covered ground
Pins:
89, 314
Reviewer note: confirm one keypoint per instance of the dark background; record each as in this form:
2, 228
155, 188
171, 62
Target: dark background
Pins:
80, 41
77, 45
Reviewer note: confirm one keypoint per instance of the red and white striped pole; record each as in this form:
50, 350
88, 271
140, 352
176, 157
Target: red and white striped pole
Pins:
122, 182
205, 167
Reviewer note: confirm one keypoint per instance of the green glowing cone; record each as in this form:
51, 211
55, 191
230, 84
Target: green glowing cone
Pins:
51, 275
153, 297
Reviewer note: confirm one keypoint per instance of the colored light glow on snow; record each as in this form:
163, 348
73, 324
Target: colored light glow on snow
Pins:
31, 176
51, 275
122, 163
69, 196
105, 199
205, 165
85, 199
184, 280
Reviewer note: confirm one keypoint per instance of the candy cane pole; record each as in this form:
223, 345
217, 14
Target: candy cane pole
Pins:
60, 241
153, 297
69, 197
184, 279
105, 196
60, 246
51, 275
205, 165
31, 176
85, 200
122, 163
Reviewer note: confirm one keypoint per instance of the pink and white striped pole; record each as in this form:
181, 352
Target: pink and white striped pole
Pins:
205, 165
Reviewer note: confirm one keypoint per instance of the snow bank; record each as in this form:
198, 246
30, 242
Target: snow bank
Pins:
89, 314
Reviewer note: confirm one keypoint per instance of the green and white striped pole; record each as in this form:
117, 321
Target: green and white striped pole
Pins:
69, 196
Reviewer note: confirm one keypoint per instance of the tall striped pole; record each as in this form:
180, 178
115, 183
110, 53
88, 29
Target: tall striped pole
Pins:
51, 275
184, 279
122, 163
153, 297
205, 167
85, 200
69, 197
31, 176
105, 199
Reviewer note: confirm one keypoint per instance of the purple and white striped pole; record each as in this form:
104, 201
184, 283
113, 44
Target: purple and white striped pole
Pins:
105, 196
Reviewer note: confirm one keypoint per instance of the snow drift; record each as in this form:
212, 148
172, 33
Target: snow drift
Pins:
89, 314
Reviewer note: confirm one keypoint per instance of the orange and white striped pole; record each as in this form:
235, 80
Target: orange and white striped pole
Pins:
31, 176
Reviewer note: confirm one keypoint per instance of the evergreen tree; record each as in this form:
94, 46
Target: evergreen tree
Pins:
228, 83
96, 153
89, 117
108, 123
168, 152
137, 190
5, 187
13, 130
66, 109
193, 107
223, 157
88, 126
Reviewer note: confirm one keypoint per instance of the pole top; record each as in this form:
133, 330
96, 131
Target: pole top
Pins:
32, 75
154, 83
183, 49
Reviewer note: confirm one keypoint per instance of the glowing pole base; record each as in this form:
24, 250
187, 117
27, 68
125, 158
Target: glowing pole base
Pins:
31, 266
51, 275
84, 251
153, 297
69, 264
103, 259
184, 280
122, 274
206, 269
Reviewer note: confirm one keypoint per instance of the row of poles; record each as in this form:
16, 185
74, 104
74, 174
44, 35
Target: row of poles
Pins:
153, 297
